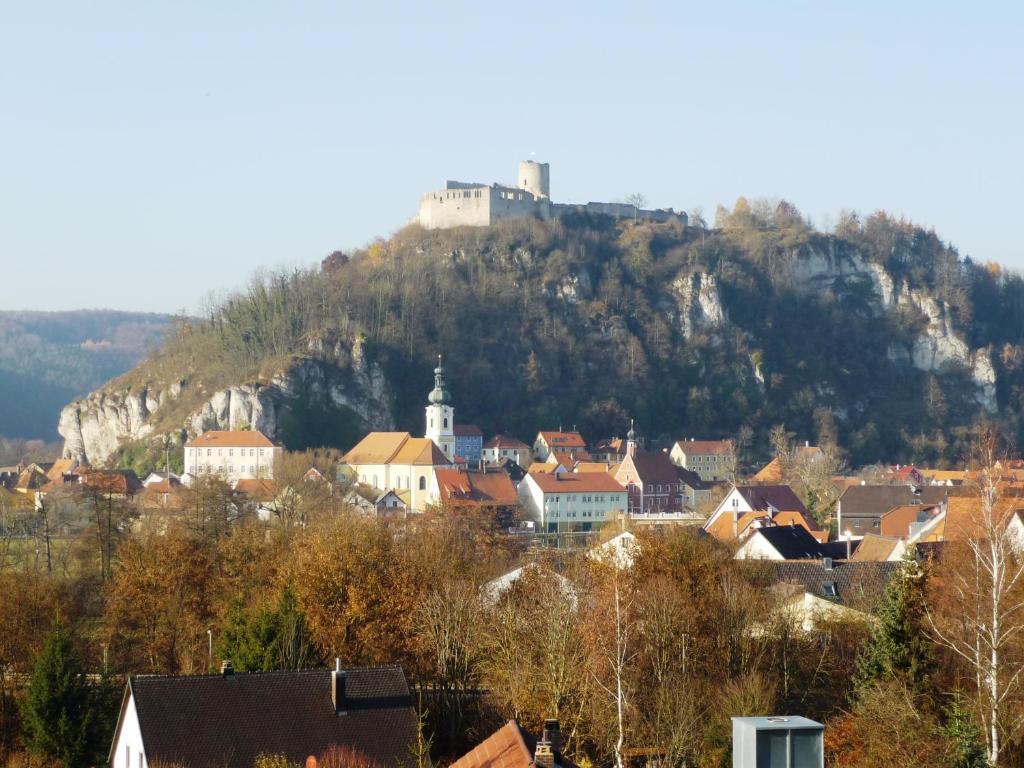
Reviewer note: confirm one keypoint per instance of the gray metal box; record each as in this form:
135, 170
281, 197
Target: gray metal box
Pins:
777, 742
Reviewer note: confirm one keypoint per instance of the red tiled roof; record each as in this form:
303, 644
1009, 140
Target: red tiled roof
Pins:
504, 441
563, 439
479, 487
234, 439
467, 430
123, 481
703, 447
505, 748
568, 482
257, 490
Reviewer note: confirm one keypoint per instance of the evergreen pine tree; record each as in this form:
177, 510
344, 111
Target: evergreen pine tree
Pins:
899, 648
966, 743
58, 714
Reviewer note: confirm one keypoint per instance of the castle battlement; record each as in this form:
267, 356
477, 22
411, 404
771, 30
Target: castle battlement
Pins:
471, 204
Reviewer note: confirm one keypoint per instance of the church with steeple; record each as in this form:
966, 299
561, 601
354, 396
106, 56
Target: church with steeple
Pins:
399, 462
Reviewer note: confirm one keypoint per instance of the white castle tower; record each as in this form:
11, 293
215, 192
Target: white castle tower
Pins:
535, 178
441, 415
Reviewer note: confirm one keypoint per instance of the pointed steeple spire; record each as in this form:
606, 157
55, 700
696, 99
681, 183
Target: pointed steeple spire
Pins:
440, 394
631, 440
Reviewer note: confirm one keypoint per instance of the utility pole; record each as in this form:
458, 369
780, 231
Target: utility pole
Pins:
167, 468
209, 637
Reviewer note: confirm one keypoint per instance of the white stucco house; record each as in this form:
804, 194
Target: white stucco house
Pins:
231, 456
565, 502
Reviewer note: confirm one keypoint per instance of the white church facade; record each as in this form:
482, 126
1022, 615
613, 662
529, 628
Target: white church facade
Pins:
397, 461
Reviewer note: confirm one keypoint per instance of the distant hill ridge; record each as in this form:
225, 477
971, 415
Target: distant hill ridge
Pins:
877, 336
47, 358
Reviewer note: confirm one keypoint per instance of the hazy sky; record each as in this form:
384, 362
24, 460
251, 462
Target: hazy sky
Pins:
153, 152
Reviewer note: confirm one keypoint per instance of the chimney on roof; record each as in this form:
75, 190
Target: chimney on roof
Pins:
553, 736
226, 669
338, 688
543, 756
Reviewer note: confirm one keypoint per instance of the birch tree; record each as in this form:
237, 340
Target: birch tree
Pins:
982, 621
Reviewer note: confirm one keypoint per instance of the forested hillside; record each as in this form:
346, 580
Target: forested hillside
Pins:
877, 336
48, 358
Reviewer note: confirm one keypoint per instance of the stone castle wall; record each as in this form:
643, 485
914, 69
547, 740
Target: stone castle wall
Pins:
462, 204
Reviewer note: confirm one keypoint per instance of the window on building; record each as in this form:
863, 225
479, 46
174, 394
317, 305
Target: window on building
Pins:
423, 483
446, 422
209, 451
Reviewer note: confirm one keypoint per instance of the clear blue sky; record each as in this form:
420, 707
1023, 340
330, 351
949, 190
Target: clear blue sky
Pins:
153, 152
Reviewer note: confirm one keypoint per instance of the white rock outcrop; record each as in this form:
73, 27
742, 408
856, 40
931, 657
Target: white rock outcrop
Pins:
936, 347
96, 426
699, 303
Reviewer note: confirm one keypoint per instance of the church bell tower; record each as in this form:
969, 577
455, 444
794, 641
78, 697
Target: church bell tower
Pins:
440, 414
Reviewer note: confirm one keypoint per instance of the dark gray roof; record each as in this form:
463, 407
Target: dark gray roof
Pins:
793, 542
210, 720
759, 497
876, 500
859, 585
692, 479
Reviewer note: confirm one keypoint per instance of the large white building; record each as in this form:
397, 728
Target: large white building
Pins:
562, 502
231, 456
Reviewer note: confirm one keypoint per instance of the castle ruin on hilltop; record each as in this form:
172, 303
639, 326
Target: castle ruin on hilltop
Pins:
469, 204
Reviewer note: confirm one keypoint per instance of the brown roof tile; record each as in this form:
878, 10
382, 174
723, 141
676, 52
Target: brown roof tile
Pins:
568, 482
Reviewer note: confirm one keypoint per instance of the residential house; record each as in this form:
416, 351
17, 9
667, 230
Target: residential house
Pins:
122, 483
512, 747
262, 497
550, 581
502, 447
609, 451
861, 507
815, 591
154, 478
694, 489
878, 549
514, 470
488, 488
563, 502
620, 550
904, 521
226, 720
568, 458
771, 473
547, 442
469, 442
713, 460
781, 542
231, 455
397, 461
963, 517
746, 504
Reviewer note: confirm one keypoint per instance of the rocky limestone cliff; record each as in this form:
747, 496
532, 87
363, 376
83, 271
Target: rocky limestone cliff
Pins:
938, 346
95, 427
699, 303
